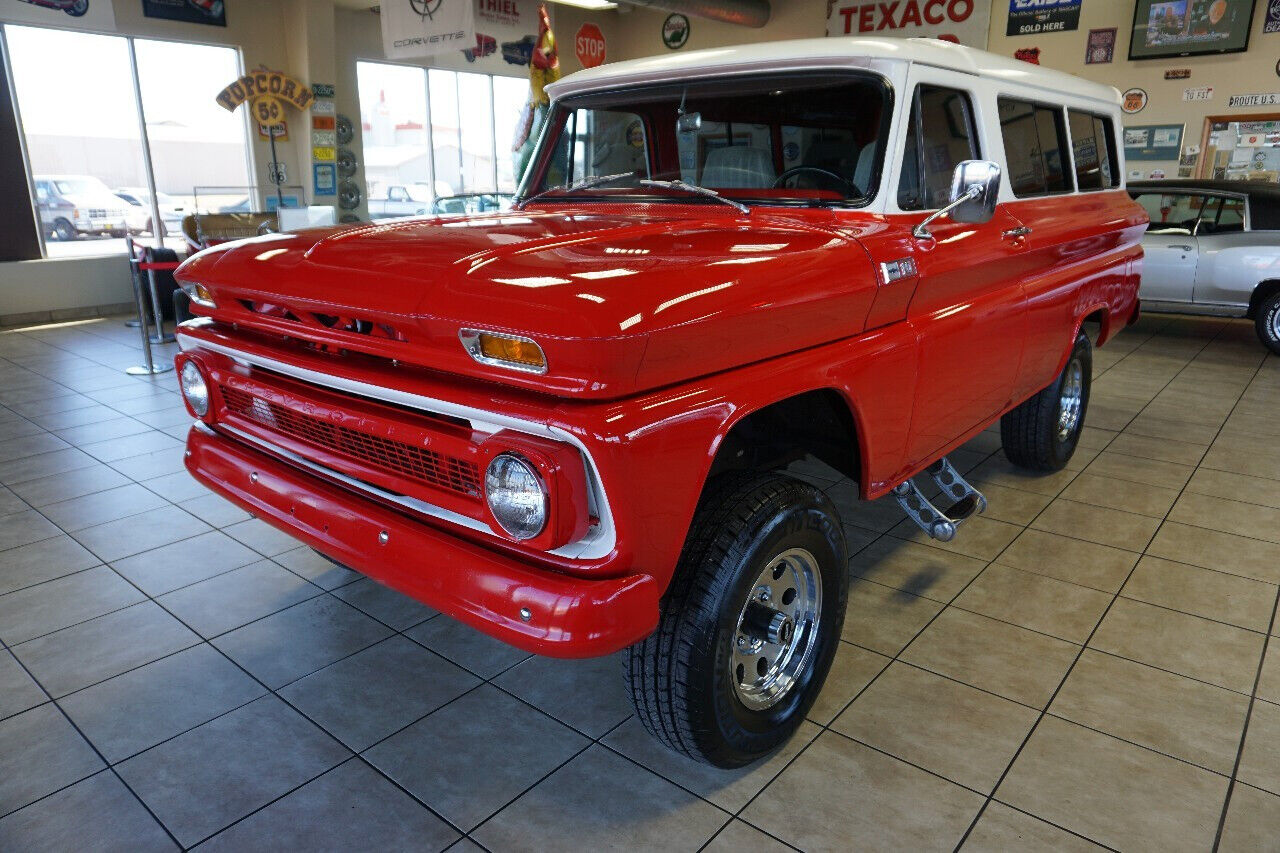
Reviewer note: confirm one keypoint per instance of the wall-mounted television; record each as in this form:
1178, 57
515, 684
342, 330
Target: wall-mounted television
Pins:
1166, 28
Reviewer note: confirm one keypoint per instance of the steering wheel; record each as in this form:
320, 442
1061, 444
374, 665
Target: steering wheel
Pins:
795, 170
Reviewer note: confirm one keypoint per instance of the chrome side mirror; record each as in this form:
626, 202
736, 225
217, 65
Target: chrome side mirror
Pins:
975, 189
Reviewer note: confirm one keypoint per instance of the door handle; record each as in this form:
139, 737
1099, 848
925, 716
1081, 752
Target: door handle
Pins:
1184, 248
1015, 233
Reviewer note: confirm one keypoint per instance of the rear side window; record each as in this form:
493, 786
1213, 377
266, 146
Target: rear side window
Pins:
940, 135
1035, 142
1091, 143
1222, 216
1174, 214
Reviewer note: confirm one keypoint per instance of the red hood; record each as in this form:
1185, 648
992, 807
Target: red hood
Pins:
620, 298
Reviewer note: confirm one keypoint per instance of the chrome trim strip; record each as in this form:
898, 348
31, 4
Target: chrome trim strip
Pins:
598, 542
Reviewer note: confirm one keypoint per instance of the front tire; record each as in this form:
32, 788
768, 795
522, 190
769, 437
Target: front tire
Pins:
749, 625
1042, 433
64, 230
1267, 322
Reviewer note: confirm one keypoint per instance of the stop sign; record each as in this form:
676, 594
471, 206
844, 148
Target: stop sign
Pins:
589, 45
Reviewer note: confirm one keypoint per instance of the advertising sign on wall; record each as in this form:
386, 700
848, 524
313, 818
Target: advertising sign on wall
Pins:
83, 14
589, 45
1033, 17
1255, 100
414, 28
1189, 27
963, 21
192, 11
1273, 17
1101, 47
1153, 142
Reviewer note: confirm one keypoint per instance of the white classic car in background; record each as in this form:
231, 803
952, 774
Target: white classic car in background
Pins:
1213, 247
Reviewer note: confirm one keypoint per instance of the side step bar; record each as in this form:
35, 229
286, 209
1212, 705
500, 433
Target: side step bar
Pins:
940, 525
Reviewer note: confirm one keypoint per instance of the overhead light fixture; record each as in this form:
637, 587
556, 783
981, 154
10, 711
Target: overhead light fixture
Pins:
588, 4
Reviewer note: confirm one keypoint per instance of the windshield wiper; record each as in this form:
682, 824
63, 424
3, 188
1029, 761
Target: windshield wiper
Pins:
584, 184
696, 190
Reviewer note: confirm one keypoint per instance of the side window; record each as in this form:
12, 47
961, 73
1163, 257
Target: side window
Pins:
42, 191
940, 134
1093, 150
1171, 214
1034, 147
1222, 216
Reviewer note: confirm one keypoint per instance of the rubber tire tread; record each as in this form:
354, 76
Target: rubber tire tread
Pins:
1262, 322
1028, 432
656, 668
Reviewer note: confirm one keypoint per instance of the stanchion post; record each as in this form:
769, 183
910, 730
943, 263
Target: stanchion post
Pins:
150, 368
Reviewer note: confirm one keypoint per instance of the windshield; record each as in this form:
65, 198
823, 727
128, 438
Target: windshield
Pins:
794, 138
81, 186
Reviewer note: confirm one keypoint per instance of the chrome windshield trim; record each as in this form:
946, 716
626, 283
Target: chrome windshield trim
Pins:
598, 542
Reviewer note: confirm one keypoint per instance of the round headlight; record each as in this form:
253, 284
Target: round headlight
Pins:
194, 389
516, 496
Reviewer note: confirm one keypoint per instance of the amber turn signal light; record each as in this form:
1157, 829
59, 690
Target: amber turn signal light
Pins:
198, 293
511, 351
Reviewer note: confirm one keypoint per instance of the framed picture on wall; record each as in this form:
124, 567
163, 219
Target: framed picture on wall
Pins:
1167, 28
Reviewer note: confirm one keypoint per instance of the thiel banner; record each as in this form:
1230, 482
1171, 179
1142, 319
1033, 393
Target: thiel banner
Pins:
412, 28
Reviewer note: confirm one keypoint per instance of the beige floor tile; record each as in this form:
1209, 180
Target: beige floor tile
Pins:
1224, 552
1013, 662
1068, 559
1153, 472
852, 670
1253, 822
1015, 506
980, 537
863, 798
884, 619
1175, 429
1002, 472
739, 837
1164, 450
1239, 601
606, 802
1116, 793
729, 789
1235, 460
1269, 683
1035, 601
1209, 651
1260, 761
915, 568
1238, 487
1166, 712
954, 730
1095, 524
1002, 829
1228, 516
1121, 494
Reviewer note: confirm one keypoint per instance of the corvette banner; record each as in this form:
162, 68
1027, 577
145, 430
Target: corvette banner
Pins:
413, 28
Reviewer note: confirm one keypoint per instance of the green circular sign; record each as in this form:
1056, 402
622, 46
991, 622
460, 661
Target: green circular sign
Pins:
675, 31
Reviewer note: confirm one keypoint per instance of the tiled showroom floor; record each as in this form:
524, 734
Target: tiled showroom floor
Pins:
1087, 662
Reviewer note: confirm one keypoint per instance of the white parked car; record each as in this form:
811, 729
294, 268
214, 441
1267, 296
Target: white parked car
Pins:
1213, 247
138, 211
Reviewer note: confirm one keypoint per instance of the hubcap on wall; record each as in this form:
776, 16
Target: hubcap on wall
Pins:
777, 629
1072, 399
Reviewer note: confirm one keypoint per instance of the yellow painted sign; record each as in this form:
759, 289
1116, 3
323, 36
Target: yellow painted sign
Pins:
269, 94
320, 152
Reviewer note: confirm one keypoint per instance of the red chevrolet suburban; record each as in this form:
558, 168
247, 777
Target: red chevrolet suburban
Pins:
567, 424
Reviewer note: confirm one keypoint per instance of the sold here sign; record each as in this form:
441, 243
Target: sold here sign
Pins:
965, 21
589, 45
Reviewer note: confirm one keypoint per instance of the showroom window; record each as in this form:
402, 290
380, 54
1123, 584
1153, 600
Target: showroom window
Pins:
84, 144
1035, 142
431, 133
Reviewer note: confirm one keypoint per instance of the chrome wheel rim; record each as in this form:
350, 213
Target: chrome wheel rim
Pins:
777, 630
1275, 324
1071, 401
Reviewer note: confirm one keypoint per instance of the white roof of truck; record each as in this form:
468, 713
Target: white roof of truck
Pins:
795, 54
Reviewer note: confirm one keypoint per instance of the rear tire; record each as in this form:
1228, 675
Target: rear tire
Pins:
764, 549
1267, 322
1042, 433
